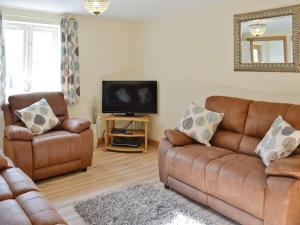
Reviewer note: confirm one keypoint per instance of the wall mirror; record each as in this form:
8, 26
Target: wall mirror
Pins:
267, 41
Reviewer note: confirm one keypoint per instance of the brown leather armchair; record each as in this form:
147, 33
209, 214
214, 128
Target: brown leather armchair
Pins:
68, 147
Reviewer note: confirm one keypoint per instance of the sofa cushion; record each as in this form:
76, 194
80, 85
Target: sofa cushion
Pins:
239, 180
231, 129
55, 147
38, 117
188, 164
261, 115
235, 111
11, 213
38, 209
227, 139
17, 181
5, 192
200, 123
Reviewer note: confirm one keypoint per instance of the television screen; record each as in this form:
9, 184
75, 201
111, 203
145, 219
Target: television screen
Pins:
129, 97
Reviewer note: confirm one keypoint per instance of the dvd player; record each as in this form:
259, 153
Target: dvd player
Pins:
126, 142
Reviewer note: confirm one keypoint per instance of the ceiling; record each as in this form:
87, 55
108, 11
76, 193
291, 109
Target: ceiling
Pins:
125, 9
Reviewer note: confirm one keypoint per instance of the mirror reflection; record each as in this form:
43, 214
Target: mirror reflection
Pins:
267, 40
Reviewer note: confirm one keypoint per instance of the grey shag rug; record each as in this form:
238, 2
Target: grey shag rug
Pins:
138, 205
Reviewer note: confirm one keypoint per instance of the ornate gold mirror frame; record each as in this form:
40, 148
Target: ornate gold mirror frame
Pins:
294, 11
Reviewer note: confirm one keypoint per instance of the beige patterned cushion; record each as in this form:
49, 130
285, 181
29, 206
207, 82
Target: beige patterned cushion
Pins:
200, 123
279, 142
38, 117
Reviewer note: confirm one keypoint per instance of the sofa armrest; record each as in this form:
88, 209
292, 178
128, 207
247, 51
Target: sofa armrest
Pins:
288, 167
281, 202
75, 125
5, 162
18, 133
164, 146
177, 138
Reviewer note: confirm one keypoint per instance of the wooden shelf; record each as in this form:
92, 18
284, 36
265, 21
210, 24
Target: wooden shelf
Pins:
127, 118
126, 149
110, 123
135, 133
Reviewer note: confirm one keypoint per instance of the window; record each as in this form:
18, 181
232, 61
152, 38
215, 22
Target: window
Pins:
32, 57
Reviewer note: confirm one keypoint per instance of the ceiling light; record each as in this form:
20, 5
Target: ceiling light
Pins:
257, 29
96, 6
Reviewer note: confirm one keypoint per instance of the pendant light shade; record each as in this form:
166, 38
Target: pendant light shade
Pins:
96, 6
258, 30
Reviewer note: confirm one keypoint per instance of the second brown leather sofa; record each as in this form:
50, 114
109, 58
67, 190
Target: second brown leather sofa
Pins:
20, 201
229, 177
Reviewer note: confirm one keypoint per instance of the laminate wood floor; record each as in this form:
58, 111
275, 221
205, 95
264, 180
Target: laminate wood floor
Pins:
110, 171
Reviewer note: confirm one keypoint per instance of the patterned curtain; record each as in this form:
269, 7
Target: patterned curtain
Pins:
2, 64
70, 60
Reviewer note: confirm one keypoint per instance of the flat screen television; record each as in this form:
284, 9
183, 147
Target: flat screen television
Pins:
129, 97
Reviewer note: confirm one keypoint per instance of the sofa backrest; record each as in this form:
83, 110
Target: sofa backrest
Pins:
231, 130
246, 122
16, 102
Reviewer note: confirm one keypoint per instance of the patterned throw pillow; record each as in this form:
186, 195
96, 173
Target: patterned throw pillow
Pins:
38, 117
200, 123
279, 142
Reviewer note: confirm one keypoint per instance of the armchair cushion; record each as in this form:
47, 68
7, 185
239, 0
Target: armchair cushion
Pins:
38, 117
177, 138
19, 133
75, 125
289, 167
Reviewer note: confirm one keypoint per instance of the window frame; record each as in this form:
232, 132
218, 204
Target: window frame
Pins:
28, 29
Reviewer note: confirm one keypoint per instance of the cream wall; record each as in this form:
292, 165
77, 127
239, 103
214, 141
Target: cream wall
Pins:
105, 53
191, 55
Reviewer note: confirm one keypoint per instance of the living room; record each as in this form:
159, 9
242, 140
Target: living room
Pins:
191, 50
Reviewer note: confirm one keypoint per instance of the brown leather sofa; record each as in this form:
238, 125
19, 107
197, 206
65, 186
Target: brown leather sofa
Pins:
20, 201
66, 148
229, 177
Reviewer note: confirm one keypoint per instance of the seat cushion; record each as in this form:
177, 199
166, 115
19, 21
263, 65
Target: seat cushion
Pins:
15, 182
5, 192
56, 147
12, 214
38, 209
188, 164
239, 180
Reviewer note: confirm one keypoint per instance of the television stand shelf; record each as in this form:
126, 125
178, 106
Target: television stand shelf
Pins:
110, 122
